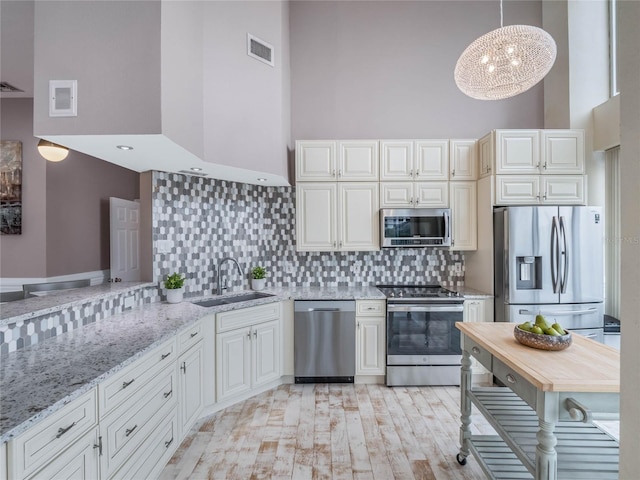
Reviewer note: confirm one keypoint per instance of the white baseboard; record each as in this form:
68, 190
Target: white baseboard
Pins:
15, 284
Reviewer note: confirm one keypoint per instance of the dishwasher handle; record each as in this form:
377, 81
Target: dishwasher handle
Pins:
323, 310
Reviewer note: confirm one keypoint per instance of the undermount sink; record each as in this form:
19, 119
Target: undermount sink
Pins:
214, 302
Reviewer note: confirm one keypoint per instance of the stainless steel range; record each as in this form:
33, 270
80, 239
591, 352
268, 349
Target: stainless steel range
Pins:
423, 344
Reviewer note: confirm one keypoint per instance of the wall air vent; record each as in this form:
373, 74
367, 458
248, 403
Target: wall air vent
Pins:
195, 174
8, 88
260, 50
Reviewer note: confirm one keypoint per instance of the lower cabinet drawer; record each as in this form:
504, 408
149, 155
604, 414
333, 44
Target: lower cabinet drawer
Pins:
45, 441
129, 426
525, 390
78, 462
478, 352
124, 384
150, 459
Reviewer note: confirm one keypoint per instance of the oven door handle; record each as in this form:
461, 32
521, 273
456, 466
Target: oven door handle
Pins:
423, 308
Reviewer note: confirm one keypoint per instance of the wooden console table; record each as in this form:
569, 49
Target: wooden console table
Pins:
544, 415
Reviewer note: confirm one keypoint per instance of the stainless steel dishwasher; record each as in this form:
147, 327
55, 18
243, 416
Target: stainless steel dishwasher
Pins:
324, 341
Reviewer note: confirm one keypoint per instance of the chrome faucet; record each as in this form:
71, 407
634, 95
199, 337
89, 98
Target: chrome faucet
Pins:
231, 259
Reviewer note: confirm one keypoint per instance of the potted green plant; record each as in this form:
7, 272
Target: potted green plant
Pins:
258, 278
174, 284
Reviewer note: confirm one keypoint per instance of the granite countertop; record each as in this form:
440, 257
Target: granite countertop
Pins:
470, 293
12, 312
328, 293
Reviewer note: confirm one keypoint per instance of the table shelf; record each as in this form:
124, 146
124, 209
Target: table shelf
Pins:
584, 451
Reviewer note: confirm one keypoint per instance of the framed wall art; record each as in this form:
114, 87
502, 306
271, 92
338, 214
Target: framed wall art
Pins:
10, 187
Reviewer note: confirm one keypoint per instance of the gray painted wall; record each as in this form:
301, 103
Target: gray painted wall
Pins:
25, 255
246, 107
113, 53
65, 205
385, 69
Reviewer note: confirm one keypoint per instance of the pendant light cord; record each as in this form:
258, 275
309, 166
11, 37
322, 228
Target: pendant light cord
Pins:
501, 23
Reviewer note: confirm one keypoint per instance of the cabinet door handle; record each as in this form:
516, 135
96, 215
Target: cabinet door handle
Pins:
98, 446
511, 379
453, 172
255, 334
475, 350
358, 325
166, 444
62, 431
164, 355
340, 173
126, 384
417, 173
411, 173
333, 174
194, 334
168, 394
335, 244
545, 165
340, 244
129, 431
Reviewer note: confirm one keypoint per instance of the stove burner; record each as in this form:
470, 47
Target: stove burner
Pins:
418, 292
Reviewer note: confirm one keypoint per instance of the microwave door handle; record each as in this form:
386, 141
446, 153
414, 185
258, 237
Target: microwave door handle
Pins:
447, 226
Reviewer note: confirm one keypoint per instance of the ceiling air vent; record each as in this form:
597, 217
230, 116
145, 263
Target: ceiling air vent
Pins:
260, 50
8, 88
191, 172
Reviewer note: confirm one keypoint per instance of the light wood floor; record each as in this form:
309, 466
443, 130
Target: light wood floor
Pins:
331, 431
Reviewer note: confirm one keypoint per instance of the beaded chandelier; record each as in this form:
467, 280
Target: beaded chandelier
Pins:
505, 62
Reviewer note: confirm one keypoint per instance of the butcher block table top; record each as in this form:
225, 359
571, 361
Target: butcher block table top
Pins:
586, 366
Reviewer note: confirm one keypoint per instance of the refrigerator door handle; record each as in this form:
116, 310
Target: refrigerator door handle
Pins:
555, 254
560, 313
565, 258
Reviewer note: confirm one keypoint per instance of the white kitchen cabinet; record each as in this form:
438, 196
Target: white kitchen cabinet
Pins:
190, 386
517, 151
478, 310
315, 160
3, 461
343, 160
414, 194
418, 160
540, 190
463, 163
248, 349
532, 152
562, 152
431, 160
464, 215
358, 160
337, 216
42, 444
370, 337
485, 156
78, 462
517, 189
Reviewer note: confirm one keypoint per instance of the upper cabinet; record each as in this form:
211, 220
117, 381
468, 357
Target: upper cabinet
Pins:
419, 160
329, 161
463, 161
533, 152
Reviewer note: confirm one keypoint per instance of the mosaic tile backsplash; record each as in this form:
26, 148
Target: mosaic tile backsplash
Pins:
27, 332
201, 220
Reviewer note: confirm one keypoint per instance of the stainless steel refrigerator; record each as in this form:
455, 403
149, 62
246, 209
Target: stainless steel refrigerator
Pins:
549, 260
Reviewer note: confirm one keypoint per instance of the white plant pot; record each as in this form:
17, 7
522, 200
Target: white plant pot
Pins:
258, 284
174, 295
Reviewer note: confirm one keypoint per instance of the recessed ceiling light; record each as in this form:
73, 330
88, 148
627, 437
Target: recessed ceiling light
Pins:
196, 169
124, 147
262, 179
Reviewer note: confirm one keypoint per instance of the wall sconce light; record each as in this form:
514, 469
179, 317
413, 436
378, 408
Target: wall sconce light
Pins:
52, 151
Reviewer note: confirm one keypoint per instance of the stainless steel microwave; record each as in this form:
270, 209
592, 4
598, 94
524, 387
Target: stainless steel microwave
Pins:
415, 227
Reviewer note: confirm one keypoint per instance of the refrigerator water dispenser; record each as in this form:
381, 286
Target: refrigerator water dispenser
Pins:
529, 273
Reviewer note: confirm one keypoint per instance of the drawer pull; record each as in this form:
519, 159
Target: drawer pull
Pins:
166, 444
164, 355
475, 350
62, 431
126, 384
371, 308
511, 379
129, 431
194, 334
166, 395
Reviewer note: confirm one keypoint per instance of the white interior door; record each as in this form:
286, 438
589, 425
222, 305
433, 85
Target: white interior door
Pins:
125, 240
